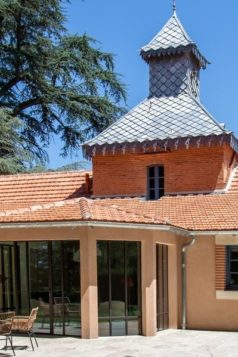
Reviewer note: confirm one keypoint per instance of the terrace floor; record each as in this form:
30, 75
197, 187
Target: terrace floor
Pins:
167, 343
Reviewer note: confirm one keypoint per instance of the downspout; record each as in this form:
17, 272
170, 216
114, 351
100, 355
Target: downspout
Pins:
184, 282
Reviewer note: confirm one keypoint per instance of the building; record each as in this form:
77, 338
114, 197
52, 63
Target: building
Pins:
151, 240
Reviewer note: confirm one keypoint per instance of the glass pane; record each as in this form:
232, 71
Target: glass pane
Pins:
118, 286
132, 279
234, 254
39, 283
72, 299
152, 183
162, 286
161, 171
233, 279
152, 194
161, 183
104, 327
8, 277
118, 328
152, 171
234, 267
161, 193
117, 257
133, 327
24, 307
103, 279
57, 288
1, 279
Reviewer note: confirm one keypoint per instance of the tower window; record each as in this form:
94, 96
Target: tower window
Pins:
155, 184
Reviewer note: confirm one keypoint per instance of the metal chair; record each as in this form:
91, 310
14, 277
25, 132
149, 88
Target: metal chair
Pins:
25, 324
6, 323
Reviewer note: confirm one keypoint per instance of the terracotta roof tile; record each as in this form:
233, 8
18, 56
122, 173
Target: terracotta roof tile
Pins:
42, 187
210, 212
46, 198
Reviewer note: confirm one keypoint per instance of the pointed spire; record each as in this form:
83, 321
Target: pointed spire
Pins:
170, 40
174, 6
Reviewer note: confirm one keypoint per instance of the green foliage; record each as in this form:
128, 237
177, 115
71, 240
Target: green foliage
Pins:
13, 157
52, 82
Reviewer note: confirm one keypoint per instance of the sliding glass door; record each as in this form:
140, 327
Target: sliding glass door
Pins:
7, 275
119, 288
43, 274
162, 287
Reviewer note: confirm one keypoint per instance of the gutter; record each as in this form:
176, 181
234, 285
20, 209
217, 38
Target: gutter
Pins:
74, 224
182, 231
184, 282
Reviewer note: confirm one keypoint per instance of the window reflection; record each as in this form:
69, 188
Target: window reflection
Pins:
44, 274
119, 288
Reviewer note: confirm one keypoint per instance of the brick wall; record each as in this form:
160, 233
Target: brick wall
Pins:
220, 267
204, 169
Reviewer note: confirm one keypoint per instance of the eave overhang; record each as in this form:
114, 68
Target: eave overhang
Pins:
147, 55
158, 146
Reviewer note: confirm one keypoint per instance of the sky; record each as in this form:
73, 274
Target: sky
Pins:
122, 27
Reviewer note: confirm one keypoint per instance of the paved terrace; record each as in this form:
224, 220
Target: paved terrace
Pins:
167, 343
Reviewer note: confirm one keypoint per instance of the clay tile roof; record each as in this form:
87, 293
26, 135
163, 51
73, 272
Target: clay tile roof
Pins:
192, 213
17, 190
79, 209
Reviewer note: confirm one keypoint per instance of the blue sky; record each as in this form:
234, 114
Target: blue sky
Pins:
124, 26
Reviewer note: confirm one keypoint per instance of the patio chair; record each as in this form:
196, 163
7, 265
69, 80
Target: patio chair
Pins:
25, 324
6, 323
68, 309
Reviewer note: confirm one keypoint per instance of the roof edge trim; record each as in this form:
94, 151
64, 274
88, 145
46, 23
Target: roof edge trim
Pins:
158, 146
152, 53
73, 224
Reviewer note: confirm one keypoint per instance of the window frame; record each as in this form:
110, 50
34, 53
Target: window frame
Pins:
158, 190
229, 250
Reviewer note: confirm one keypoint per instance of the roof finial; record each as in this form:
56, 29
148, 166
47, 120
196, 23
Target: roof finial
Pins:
174, 6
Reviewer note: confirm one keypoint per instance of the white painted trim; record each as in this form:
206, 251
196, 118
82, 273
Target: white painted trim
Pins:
231, 178
226, 295
214, 233
183, 193
140, 196
231, 239
74, 224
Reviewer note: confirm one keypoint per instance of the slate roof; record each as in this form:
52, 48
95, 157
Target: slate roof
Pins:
171, 39
161, 118
171, 112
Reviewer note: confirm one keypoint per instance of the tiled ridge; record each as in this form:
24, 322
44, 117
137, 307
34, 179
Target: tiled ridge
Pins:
84, 205
98, 210
153, 217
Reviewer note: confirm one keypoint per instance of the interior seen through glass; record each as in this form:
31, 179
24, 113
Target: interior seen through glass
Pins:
43, 274
119, 286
